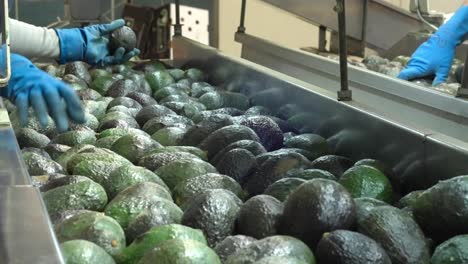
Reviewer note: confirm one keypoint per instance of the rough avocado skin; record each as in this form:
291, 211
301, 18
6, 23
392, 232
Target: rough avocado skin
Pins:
311, 174
123, 37
281, 189
133, 147
84, 252
409, 199
238, 164
332, 163
253, 147
96, 170
316, 207
274, 246
267, 130
312, 143
364, 205
449, 199
397, 232
94, 227
204, 128
222, 137
152, 111
155, 237
53, 183
39, 165
273, 169
29, 138
342, 246
186, 190
231, 245
181, 170
78, 69
260, 216
82, 195
454, 250
181, 251
214, 212
157, 160
282, 260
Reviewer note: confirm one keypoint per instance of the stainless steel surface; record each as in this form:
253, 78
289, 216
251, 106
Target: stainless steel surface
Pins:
25, 231
386, 23
353, 129
5, 67
397, 99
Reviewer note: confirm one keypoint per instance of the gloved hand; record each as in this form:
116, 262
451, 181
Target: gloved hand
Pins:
90, 44
436, 55
29, 85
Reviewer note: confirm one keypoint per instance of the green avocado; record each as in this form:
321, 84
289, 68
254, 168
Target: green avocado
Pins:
195, 74
106, 142
238, 164
231, 244
152, 111
134, 147
55, 150
123, 37
84, 252
98, 171
216, 100
37, 164
154, 161
200, 131
454, 250
30, 138
312, 143
181, 170
281, 189
159, 79
310, 174
155, 124
169, 136
253, 147
94, 227
76, 137
189, 149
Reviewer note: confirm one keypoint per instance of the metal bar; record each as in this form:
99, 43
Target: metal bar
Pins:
177, 26
364, 27
344, 94
463, 90
241, 28
17, 9
112, 10
322, 38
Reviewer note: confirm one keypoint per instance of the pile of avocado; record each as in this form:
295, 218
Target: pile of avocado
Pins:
169, 169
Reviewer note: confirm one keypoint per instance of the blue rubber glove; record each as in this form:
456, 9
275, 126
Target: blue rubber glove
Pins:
90, 44
29, 86
436, 55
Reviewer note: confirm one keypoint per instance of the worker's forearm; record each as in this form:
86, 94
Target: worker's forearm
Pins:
465, 2
31, 41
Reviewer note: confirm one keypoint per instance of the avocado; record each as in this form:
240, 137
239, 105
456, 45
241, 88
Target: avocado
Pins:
152, 111
202, 115
125, 101
96, 154
142, 98
308, 212
76, 137
96, 170
96, 108
195, 74
273, 246
199, 89
29, 138
283, 153
102, 84
106, 142
367, 181
129, 175
157, 160
448, 199
155, 237
159, 79
134, 147
181, 98
180, 170
342, 246
94, 227
181, 251
133, 200
267, 130
273, 169
62, 216
79, 69
91, 123
39, 165
409, 199
88, 94
121, 132
191, 109
41, 152
177, 107
84, 252
238, 164
332, 163
454, 250
231, 244
128, 111
189, 149
203, 129
260, 216
282, 260
397, 233
121, 88
169, 136
216, 100
152, 217
122, 37
65, 157
53, 182
55, 150
33, 123
281, 189
364, 205
310, 174
125, 123
253, 147
257, 110
167, 91
99, 73
222, 137
186, 190
305, 122
214, 212
312, 143
288, 110
170, 120
85, 194
117, 115
177, 74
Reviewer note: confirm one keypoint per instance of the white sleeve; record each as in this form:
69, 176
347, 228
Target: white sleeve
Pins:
33, 42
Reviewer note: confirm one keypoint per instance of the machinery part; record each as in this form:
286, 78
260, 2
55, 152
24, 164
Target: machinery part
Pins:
463, 90
177, 26
422, 7
241, 28
344, 94
5, 68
